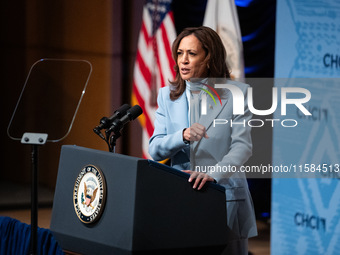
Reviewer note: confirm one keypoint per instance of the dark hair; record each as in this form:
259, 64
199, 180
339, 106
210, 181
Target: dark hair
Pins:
215, 56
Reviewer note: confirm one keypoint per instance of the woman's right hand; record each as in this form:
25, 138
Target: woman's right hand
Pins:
195, 133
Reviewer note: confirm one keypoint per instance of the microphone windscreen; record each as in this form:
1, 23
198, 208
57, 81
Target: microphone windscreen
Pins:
123, 109
135, 111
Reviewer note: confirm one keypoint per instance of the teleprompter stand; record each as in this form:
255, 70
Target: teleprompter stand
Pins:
35, 140
37, 116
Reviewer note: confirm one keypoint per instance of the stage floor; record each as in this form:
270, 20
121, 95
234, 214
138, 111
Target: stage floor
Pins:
259, 245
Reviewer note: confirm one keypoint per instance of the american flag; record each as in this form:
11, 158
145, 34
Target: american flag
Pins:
154, 64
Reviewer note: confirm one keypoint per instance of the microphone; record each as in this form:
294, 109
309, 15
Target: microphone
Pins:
131, 114
107, 122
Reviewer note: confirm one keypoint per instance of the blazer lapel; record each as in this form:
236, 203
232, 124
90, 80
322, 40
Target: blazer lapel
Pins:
212, 112
178, 111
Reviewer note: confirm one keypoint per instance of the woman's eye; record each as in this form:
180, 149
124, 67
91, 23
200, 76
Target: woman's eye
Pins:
192, 54
179, 53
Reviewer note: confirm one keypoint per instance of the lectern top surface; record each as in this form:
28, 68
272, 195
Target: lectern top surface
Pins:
182, 174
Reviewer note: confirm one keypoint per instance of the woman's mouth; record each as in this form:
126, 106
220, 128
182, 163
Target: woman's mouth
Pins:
185, 70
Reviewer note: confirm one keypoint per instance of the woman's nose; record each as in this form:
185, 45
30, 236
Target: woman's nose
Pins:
185, 58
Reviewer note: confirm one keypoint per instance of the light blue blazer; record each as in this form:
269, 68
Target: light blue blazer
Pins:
226, 146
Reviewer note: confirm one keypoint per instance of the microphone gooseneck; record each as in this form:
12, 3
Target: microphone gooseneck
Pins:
115, 123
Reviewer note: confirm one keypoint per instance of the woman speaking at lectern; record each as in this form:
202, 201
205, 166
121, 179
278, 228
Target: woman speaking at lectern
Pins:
201, 58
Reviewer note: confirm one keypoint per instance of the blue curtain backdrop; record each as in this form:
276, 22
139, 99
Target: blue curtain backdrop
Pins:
15, 239
257, 23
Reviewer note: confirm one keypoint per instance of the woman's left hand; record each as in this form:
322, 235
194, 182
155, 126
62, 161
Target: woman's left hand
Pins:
199, 177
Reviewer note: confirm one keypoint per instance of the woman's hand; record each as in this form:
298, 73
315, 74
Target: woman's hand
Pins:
199, 177
195, 133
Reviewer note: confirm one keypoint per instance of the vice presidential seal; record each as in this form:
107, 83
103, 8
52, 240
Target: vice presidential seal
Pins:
89, 194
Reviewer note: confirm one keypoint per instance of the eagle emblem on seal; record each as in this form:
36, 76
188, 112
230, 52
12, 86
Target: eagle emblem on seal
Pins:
89, 194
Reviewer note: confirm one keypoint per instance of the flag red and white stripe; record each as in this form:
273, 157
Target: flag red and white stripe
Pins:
154, 64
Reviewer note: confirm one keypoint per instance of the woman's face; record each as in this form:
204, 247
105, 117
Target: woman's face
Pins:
190, 58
